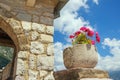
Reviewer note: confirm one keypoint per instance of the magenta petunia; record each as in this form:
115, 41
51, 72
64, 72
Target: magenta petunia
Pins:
83, 28
93, 42
90, 33
71, 36
97, 38
85, 36
96, 33
77, 33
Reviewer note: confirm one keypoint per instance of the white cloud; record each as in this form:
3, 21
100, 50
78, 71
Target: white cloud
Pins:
69, 21
110, 62
96, 2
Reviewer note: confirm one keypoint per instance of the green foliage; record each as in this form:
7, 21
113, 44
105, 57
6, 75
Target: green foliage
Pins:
81, 39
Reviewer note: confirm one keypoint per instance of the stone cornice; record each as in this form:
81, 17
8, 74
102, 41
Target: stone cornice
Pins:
58, 7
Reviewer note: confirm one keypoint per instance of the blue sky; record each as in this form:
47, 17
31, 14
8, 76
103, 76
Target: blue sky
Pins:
101, 15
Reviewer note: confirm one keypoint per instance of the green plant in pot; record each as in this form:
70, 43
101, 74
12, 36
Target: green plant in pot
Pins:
83, 53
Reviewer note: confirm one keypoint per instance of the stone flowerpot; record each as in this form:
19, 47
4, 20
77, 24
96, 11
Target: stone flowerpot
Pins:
80, 56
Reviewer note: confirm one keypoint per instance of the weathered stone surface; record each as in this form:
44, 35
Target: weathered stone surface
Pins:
22, 39
37, 48
50, 30
21, 67
50, 76
46, 38
32, 61
16, 26
30, 3
34, 35
24, 47
33, 75
35, 19
46, 20
43, 73
23, 54
24, 17
95, 79
79, 73
8, 8
45, 62
80, 55
26, 26
48, 14
19, 78
38, 27
50, 49
21, 23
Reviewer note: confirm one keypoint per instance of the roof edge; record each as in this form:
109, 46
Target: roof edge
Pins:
59, 6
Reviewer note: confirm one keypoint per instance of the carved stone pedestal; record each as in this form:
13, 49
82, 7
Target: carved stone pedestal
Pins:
81, 74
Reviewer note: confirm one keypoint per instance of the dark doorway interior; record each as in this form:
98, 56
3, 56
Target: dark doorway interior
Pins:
6, 55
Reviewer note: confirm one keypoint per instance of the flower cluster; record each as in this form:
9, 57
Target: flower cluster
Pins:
85, 36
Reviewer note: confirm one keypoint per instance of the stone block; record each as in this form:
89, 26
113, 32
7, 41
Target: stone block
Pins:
46, 38
32, 61
19, 78
30, 3
80, 73
37, 48
22, 39
16, 26
50, 49
24, 17
45, 62
21, 67
50, 30
35, 19
38, 27
50, 76
48, 14
95, 79
24, 47
33, 75
26, 26
23, 54
43, 73
34, 35
8, 8
46, 20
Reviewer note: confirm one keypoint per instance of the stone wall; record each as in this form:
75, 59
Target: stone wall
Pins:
33, 38
40, 55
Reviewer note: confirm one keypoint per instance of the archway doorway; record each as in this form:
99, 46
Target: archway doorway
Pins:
7, 48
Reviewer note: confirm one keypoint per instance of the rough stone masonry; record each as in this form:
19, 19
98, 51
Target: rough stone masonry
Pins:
29, 23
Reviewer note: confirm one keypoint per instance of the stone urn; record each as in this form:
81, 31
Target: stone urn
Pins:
80, 56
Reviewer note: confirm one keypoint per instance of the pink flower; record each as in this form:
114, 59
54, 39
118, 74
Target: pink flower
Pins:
90, 33
93, 42
97, 38
96, 33
71, 36
77, 33
83, 29
87, 30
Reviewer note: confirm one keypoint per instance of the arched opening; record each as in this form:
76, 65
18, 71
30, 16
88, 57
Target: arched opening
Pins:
11, 38
7, 48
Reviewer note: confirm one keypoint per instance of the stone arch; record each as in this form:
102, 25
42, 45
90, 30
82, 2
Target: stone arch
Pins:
15, 31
